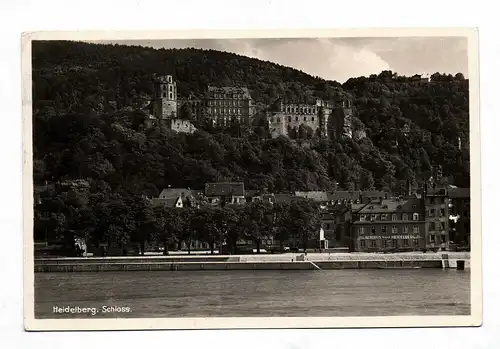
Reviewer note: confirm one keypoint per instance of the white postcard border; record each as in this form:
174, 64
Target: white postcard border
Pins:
475, 319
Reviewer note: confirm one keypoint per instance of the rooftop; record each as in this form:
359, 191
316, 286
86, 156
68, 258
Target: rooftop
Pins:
392, 205
171, 193
320, 196
456, 193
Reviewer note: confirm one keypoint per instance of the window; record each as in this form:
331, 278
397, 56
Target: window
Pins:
436, 225
415, 216
305, 118
384, 229
372, 217
416, 242
164, 94
384, 243
433, 200
405, 229
394, 217
170, 88
443, 226
394, 243
415, 229
239, 111
327, 225
296, 118
405, 243
441, 212
312, 118
361, 231
289, 119
394, 229
405, 216
362, 218
432, 238
278, 120
431, 212
373, 243
170, 95
362, 243
374, 231
383, 217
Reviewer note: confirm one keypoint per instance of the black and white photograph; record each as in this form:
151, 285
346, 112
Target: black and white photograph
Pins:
242, 180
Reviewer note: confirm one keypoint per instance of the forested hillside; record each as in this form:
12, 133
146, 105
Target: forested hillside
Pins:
87, 101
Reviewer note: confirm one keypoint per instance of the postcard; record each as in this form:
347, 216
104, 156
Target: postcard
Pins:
251, 179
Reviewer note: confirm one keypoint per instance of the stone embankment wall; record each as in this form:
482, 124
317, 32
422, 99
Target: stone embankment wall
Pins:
253, 262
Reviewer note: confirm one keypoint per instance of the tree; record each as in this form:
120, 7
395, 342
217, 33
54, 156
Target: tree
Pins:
185, 112
305, 221
281, 222
167, 227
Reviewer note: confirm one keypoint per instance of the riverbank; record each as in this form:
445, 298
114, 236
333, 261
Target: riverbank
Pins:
289, 261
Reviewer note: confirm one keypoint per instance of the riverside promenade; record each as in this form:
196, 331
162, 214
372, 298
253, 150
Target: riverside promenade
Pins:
287, 261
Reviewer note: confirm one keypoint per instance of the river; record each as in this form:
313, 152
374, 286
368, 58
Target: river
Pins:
256, 293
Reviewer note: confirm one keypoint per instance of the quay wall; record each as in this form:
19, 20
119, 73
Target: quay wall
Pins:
292, 261
200, 266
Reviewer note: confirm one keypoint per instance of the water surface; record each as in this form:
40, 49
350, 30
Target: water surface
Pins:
257, 293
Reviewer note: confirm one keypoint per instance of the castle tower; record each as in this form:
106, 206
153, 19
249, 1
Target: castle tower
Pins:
340, 120
164, 104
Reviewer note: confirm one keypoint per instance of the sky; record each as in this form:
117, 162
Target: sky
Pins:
342, 58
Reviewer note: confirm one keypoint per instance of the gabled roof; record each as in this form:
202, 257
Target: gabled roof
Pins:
392, 205
456, 193
225, 189
170, 202
286, 198
171, 193
343, 195
373, 194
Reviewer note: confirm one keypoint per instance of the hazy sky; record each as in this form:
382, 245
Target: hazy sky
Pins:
341, 58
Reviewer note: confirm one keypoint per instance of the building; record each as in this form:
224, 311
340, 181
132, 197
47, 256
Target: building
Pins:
459, 211
225, 105
436, 218
318, 196
324, 118
164, 106
220, 194
258, 196
396, 224
176, 202
164, 103
336, 223
179, 125
220, 105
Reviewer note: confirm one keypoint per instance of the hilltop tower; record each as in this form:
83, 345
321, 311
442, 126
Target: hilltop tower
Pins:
164, 103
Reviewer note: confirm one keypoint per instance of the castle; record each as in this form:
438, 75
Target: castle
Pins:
220, 105
324, 118
224, 105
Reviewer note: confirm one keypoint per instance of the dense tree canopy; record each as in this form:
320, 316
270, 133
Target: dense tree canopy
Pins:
88, 121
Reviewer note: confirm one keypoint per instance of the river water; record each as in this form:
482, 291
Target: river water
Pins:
256, 293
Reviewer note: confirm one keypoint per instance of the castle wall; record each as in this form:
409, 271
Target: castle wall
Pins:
294, 115
184, 126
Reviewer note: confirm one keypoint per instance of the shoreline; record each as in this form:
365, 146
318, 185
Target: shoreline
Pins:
295, 261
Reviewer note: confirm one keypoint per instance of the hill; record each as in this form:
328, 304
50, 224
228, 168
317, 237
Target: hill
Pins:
87, 124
